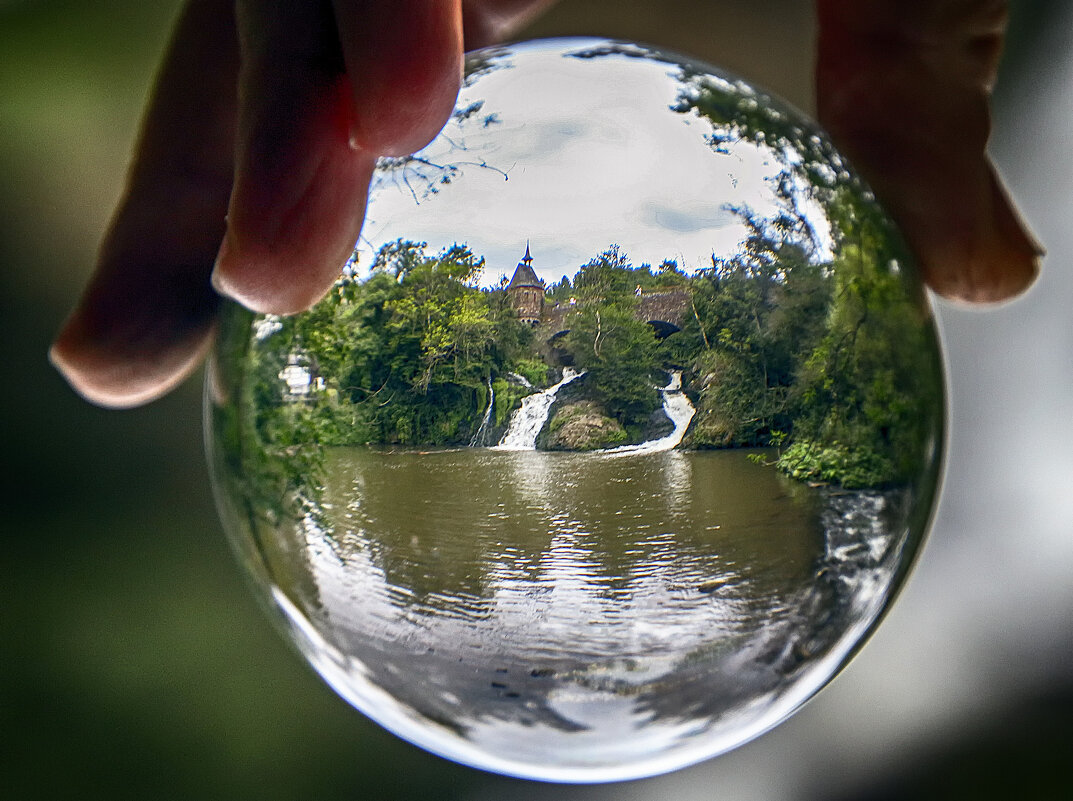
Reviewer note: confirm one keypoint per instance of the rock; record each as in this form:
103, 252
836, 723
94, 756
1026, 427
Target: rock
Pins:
709, 429
658, 425
712, 426
582, 426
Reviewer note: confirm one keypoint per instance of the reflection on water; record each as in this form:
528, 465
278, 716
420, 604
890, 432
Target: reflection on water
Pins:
551, 603
595, 557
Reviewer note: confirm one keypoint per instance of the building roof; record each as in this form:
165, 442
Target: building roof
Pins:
524, 274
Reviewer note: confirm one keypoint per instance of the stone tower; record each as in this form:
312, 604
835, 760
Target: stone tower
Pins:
526, 291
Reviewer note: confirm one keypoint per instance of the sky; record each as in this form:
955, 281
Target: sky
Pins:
584, 153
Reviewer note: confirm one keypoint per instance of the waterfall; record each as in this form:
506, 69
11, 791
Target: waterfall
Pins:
482, 429
680, 411
521, 379
529, 418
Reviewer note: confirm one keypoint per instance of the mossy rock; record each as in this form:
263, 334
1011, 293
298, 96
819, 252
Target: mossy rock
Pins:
709, 429
582, 426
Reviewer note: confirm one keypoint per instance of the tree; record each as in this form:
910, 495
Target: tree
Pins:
608, 339
867, 385
754, 315
606, 276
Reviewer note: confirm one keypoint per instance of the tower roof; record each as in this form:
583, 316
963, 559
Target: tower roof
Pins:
524, 274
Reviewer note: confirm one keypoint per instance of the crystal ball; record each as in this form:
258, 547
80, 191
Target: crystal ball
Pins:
616, 436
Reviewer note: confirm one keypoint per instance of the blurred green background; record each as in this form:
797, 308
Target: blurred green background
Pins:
134, 663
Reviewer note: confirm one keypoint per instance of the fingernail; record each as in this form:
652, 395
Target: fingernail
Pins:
258, 279
231, 276
93, 371
223, 255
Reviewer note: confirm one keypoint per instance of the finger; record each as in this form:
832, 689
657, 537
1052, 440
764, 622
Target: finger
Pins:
300, 184
146, 317
305, 154
405, 61
904, 86
486, 22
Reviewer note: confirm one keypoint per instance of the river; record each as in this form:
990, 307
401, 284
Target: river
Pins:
549, 603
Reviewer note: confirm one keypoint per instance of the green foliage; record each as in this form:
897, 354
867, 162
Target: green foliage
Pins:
609, 341
561, 291
606, 277
753, 316
822, 353
834, 358
405, 355
535, 371
269, 479
851, 466
508, 396
326, 423
864, 384
824, 346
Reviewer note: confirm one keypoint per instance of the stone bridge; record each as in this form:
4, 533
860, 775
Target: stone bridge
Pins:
664, 311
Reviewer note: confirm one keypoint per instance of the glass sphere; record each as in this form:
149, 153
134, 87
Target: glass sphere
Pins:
615, 438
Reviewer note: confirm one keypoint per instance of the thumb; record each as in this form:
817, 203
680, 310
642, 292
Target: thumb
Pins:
903, 87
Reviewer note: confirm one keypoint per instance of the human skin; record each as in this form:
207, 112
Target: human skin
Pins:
268, 116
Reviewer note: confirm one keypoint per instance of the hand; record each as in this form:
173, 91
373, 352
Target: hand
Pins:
267, 120
264, 127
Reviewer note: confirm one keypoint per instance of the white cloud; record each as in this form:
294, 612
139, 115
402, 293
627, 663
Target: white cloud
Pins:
593, 155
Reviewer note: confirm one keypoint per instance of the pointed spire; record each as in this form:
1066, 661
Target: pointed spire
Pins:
524, 274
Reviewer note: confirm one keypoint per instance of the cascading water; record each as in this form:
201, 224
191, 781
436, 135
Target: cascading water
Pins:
521, 379
530, 417
482, 430
677, 407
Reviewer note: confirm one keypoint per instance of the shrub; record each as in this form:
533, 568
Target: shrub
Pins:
852, 468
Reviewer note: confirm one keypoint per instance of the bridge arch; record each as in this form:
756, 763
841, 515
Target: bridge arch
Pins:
663, 328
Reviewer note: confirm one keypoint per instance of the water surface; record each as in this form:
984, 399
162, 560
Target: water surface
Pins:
543, 601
